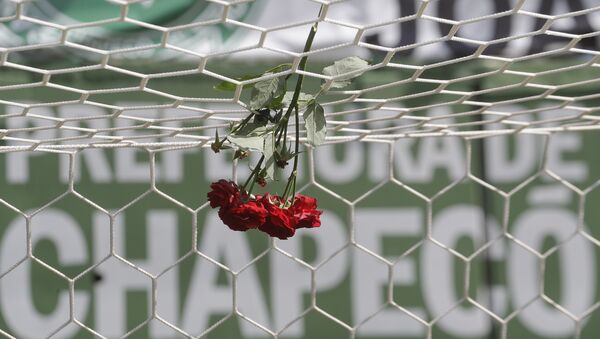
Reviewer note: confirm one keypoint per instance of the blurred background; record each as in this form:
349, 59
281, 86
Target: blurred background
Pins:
457, 237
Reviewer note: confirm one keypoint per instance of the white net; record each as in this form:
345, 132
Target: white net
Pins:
481, 125
386, 98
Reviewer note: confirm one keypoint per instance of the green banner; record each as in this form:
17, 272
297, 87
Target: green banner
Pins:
425, 260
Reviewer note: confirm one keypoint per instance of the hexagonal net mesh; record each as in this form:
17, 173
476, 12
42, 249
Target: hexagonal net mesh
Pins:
464, 129
392, 99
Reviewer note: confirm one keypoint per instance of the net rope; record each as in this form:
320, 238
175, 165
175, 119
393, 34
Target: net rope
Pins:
479, 117
357, 240
189, 122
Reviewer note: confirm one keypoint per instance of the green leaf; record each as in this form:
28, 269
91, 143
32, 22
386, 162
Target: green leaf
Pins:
303, 99
253, 129
225, 86
230, 86
277, 101
315, 123
279, 68
248, 142
343, 67
340, 83
268, 152
263, 92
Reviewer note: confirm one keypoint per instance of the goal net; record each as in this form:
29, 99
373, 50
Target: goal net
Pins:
459, 177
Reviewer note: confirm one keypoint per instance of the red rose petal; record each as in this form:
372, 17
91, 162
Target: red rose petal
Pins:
224, 194
243, 217
280, 222
306, 213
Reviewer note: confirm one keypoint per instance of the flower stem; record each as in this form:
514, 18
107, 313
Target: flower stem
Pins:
282, 128
291, 184
253, 175
301, 67
297, 151
242, 123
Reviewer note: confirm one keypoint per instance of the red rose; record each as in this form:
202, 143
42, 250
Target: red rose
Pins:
224, 194
305, 211
243, 217
280, 222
